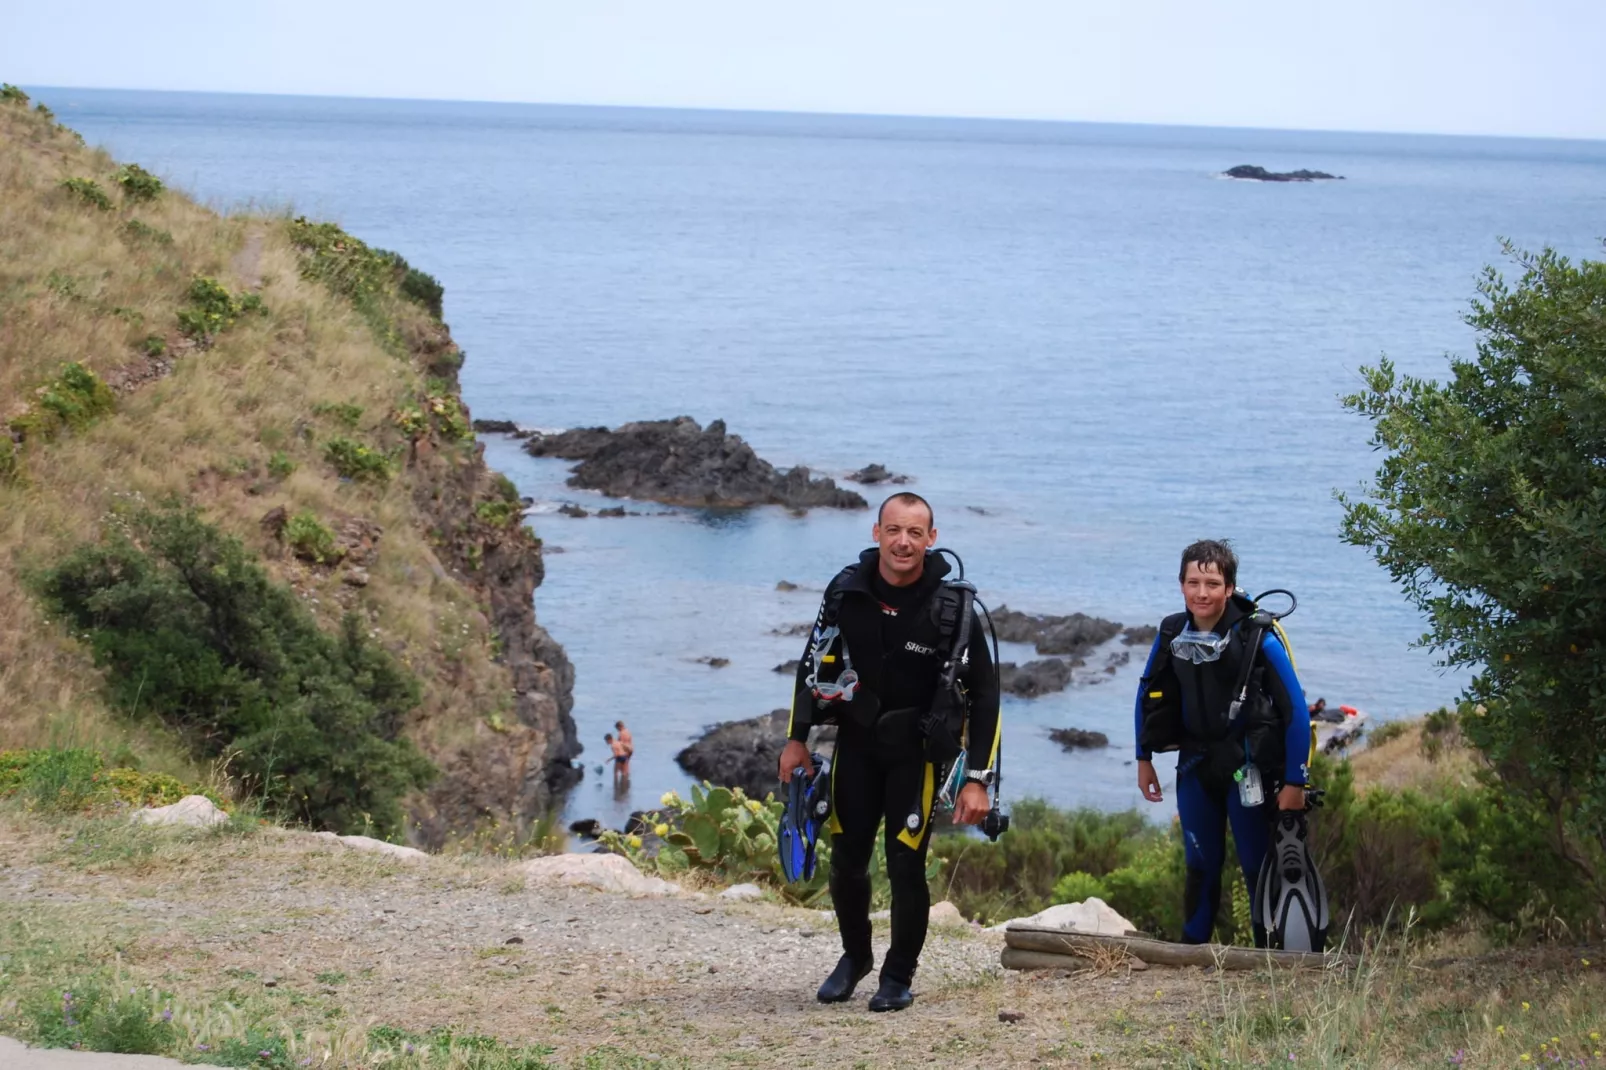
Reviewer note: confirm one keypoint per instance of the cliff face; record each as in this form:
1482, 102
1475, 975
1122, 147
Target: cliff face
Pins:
509, 770
299, 391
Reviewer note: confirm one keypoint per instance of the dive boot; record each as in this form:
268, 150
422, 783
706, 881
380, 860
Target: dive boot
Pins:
891, 996
838, 987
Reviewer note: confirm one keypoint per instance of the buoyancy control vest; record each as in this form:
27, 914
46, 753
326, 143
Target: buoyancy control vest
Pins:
832, 689
1200, 707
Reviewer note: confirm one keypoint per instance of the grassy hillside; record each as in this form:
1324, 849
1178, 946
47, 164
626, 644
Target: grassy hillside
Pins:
298, 390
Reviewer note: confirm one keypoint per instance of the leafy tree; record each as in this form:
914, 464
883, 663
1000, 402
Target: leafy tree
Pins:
190, 628
1490, 510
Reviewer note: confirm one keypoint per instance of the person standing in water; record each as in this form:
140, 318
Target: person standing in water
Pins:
620, 759
626, 739
1194, 679
872, 667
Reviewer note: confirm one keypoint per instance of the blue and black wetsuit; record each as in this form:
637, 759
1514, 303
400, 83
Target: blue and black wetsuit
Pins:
1182, 706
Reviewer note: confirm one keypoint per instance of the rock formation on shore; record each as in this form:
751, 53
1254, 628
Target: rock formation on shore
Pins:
1260, 174
680, 462
742, 754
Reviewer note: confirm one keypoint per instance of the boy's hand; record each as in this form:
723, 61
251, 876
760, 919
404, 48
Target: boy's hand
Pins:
1148, 780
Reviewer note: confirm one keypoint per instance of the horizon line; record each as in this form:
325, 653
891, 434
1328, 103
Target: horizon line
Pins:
926, 116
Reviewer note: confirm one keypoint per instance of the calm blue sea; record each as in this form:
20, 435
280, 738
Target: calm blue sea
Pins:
1080, 329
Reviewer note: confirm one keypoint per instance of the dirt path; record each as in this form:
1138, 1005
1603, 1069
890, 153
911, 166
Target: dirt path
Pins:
334, 933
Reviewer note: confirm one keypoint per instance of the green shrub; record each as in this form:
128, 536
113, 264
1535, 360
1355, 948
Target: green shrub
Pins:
212, 309
71, 401
343, 413
1017, 875
1148, 890
1077, 887
499, 512
138, 184
137, 231
44, 113
280, 465
1387, 731
356, 461
310, 540
93, 1017
89, 192
190, 629
76, 779
154, 345
64, 286
422, 289
10, 94
10, 463
1489, 508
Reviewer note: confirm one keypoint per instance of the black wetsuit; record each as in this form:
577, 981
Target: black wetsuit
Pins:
879, 770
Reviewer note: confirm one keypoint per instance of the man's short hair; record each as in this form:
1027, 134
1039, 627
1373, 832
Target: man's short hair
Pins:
1211, 553
908, 497
619, 725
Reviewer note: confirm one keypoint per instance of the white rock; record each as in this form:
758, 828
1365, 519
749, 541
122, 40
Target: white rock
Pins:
1093, 915
945, 913
605, 872
194, 810
368, 843
742, 891
881, 915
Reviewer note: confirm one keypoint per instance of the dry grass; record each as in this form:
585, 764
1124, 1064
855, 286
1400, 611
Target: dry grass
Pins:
74, 287
1401, 763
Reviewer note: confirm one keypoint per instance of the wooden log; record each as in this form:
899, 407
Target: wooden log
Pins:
1162, 953
1016, 959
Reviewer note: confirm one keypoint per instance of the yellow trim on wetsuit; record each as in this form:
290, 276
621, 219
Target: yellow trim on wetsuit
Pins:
912, 837
831, 823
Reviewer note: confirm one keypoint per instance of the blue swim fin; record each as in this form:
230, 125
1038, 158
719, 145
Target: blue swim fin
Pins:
1290, 899
803, 818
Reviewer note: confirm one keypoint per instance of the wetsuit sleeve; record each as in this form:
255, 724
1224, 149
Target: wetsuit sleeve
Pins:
1282, 685
985, 732
799, 722
1137, 703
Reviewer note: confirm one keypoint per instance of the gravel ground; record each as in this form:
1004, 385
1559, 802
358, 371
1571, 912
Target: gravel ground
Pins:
689, 980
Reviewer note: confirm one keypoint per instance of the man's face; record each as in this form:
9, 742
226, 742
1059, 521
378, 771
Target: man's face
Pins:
1205, 591
904, 534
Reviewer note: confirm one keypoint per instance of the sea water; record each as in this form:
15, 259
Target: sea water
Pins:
1085, 346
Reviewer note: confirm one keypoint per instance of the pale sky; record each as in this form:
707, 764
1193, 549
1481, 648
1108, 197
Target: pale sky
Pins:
1442, 66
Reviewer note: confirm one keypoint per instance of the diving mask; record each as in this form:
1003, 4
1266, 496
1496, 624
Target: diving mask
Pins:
1199, 647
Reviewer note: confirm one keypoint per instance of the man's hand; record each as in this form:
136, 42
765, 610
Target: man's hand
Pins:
1148, 780
793, 755
971, 806
1291, 797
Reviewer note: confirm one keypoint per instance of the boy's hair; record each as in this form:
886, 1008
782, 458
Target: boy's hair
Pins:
607, 737
1208, 553
907, 497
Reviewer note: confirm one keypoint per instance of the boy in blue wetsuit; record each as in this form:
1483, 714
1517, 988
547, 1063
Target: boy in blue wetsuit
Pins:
1199, 666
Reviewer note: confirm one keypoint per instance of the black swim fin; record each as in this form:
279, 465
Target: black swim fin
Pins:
1290, 899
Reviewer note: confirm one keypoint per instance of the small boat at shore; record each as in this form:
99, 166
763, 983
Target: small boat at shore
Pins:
1331, 734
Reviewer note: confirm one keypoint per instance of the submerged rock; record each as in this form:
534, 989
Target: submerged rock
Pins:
679, 462
1073, 738
1260, 174
495, 427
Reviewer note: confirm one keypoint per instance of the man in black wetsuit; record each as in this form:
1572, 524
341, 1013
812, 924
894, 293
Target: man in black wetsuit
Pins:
890, 638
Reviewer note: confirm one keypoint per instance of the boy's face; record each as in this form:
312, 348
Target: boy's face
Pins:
1205, 591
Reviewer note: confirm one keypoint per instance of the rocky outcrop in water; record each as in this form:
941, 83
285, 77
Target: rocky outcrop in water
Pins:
1260, 174
1035, 677
742, 754
871, 474
680, 462
1075, 738
1072, 635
